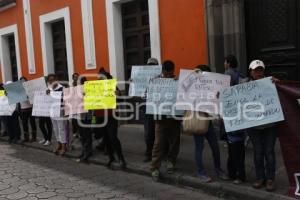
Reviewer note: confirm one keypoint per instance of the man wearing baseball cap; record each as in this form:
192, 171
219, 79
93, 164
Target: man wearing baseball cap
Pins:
257, 69
264, 140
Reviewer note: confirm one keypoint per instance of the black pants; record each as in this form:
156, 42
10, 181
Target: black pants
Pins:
74, 126
149, 128
236, 160
27, 117
264, 141
110, 136
13, 127
3, 125
86, 139
45, 125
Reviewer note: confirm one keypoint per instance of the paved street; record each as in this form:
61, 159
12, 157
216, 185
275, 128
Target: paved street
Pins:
34, 174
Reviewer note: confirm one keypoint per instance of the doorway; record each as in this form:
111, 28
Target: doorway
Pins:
59, 50
273, 35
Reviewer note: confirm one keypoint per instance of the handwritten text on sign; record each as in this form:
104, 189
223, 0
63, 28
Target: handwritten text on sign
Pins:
73, 100
100, 94
197, 91
34, 85
250, 104
140, 76
161, 97
47, 105
5, 108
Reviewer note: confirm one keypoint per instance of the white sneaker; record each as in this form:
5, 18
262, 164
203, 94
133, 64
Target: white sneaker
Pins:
42, 142
47, 143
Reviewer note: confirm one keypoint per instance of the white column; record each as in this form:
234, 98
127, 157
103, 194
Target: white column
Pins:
88, 33
29, 37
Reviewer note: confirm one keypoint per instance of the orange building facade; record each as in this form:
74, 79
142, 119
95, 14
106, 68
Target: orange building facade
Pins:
39, 37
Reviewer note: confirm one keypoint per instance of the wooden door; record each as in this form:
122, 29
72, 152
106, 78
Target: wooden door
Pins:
273, 35
136, 37
13, 57
136, 34
59, 50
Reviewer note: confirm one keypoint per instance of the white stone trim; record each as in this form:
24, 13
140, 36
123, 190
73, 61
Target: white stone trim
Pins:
4, 52
29, 37
46, 40
154, 29
88, 34
115, 37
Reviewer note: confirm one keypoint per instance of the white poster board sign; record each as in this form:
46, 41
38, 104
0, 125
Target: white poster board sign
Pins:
197, 91
251, 104
161, 97
34, 85
5, 108
140, 76
73, 100
47, 105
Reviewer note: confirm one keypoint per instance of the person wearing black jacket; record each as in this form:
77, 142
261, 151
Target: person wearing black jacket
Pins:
110, 129
84, 122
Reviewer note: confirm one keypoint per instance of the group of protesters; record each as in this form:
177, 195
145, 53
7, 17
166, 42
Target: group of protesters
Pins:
162, 135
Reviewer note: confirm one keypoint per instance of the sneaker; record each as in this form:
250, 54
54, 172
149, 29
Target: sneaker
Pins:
237, 182
204, 178
270, 186
222, 175
155, 175
258, 184
47, 143
42, 142
170, 167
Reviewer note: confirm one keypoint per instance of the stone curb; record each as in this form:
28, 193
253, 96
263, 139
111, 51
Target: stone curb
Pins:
221, 190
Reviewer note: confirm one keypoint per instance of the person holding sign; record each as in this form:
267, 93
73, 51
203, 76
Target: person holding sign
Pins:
236, 139
13, 125
59, 125
149, 124
85, 131
26, 116
167, 134
3, 121
212, 140
109, 127
264, 140
75, 78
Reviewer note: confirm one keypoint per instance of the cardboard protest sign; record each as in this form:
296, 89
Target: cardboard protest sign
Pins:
47, 105
2, 93
73, 100
140, 76
34, 85
161, 97
197, 91
250, 104
100, 94
15, 92
5, 108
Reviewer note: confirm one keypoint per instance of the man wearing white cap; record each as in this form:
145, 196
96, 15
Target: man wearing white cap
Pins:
264, 140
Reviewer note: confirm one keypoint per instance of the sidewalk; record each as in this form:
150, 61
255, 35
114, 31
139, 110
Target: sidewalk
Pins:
132, 138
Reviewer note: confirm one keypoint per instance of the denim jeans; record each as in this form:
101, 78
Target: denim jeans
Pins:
264, 141
214, 145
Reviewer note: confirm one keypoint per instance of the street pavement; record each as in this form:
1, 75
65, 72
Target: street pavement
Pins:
31, 174
132, 139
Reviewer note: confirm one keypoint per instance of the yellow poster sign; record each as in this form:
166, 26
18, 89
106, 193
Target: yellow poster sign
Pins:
100, 94
2, 93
